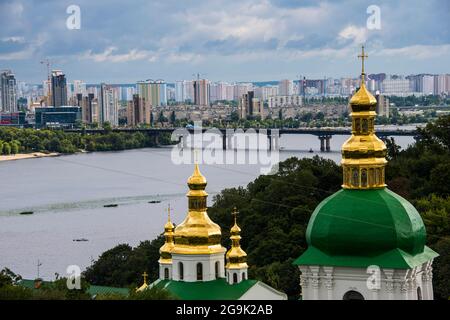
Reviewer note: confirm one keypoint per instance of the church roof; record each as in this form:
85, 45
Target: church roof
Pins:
92, 290
218, 289
359, 228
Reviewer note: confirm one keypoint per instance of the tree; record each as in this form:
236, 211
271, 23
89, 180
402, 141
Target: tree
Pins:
107, 126
6, 148
172, 117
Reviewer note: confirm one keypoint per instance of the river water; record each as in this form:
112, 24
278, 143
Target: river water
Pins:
67, 195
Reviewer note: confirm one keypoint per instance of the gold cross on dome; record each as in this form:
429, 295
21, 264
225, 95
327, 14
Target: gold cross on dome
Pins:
235, 213
362, 56
169, 209
145, 275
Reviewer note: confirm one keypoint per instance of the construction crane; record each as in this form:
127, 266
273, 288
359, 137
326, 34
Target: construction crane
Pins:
49, 88
198, 75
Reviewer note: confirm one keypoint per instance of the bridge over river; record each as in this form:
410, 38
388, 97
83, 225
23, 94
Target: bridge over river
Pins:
324, 134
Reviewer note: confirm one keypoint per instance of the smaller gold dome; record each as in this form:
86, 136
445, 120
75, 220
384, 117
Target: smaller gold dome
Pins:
235, 229
236, 257
363, 100
166, 250
197, 181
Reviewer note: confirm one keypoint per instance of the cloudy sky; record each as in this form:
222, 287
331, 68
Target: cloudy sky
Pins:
245, 40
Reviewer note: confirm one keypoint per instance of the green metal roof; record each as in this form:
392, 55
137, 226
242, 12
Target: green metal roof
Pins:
92, 290
358, 228
208, 290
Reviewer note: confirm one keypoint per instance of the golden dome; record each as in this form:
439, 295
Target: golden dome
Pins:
363, 99
165, 251
197, 181
363, 154
236, 257
197, 234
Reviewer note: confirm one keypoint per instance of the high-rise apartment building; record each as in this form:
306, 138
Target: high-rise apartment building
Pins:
201, 92
396, 86
89, 107
440, 84
154, 92
109, 105
382, 108
59, 88
249, 106
8, 91
79, 87
428, 84
285, 101
241, 89
138, 111
286, 87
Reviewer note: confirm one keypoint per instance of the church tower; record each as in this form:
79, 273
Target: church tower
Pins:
192, 259
165, 260
365, 241
236, 267
197, 254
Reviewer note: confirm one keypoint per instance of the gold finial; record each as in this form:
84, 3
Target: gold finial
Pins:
144, 285
234, 213
168, 212
145, 275
362, 56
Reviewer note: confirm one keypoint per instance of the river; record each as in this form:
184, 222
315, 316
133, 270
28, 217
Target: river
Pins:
68, 194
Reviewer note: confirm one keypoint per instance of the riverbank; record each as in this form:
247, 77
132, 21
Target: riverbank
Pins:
21, 156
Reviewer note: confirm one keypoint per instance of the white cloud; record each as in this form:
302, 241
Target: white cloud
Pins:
416, 51
358, 35
109, 56
14, 39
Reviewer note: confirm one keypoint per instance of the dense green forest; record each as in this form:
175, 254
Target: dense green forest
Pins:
275, 210
15, 140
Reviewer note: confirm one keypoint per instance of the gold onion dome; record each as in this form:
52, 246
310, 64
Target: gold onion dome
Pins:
236, 257
166, 250
197, 234
363, 154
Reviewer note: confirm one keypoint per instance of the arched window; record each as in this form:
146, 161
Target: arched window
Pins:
217, 265
353, 295
199, 271
243, 276
419, 293
355, 177
235, 279
180, 270
364, 178
166, 273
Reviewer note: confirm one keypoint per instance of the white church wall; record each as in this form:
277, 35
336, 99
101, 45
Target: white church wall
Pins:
190, 266
332, 283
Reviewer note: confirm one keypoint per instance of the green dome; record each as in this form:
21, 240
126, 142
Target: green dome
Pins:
363, 227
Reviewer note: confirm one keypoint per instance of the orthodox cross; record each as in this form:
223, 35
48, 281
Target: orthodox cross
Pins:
362, 56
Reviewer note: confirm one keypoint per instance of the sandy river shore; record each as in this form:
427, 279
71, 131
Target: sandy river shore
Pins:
20, 156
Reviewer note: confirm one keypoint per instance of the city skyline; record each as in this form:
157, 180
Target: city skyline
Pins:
241, 41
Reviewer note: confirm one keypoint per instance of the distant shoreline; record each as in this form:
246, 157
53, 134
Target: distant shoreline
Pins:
32, 155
